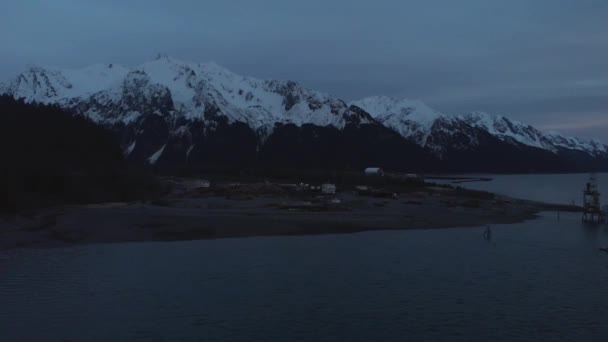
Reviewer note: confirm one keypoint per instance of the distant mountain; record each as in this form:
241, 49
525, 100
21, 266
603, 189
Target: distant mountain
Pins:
517, 132
416, 121
172, 113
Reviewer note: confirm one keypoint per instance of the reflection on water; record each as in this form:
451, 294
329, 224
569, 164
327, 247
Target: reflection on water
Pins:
541, 280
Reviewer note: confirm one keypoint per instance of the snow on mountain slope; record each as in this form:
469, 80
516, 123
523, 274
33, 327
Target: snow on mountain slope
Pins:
51, 85
508, 130
412, 119
429, 128
518, 132
191, 91
593, 147
181, 93
421, 124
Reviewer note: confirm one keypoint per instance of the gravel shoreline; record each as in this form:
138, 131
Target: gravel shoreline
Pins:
211, 216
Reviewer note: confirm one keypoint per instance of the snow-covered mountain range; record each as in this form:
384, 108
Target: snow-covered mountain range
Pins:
112, 93
186, 100
517, 132
416, 121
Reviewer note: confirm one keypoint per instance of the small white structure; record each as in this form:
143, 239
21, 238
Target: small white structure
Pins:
201, 184
328, 189
374, 171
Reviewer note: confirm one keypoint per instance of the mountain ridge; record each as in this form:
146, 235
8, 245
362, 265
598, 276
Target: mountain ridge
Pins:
155, 105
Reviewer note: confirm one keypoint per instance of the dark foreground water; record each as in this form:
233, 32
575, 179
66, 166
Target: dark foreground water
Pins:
544, 280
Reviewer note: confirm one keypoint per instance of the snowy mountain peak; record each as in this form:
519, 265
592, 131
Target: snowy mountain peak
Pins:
384, 106
38, 84
194, 91
50, 85
411, 118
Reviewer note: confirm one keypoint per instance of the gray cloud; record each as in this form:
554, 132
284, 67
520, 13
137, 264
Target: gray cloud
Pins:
541, 61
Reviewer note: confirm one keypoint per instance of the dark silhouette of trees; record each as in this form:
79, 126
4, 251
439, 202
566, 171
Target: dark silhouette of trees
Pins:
50, 156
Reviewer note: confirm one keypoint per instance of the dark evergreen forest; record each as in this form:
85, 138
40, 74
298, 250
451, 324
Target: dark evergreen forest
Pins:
50, 156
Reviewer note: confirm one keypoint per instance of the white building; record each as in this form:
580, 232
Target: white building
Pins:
374, 171
328, 189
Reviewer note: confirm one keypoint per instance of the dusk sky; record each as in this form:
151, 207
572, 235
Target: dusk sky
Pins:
544, 62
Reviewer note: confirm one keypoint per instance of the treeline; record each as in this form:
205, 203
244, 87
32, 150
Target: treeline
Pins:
50, 156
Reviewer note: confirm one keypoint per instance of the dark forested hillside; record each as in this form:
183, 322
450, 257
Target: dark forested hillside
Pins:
50, 156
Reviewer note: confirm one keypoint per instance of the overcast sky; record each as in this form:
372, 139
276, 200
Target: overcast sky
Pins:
540, 61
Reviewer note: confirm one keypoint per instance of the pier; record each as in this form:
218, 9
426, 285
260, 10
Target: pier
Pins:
592, 210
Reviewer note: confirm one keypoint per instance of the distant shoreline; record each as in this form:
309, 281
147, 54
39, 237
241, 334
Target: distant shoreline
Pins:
265, 211
460, 179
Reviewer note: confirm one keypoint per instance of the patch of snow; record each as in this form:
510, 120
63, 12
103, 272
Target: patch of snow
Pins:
181, 131
93, 115
189, 150
130, 117
154, 157
131, 147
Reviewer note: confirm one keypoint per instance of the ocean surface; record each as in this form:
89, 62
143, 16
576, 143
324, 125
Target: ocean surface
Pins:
542, 280
552, 188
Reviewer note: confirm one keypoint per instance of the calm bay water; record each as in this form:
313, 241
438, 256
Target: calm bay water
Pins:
543, 280
553, 188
